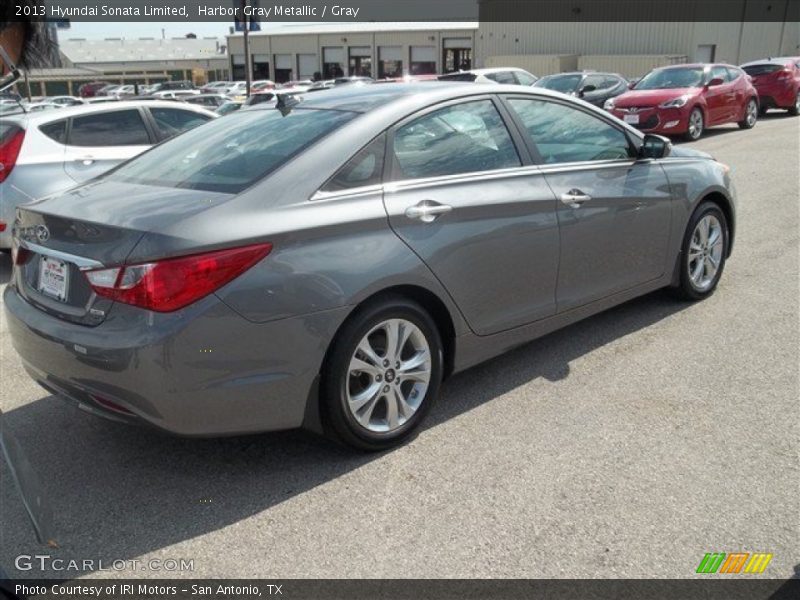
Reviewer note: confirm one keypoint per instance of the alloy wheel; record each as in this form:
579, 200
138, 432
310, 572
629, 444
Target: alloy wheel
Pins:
388, 375
705, 252
695, 124
752, 113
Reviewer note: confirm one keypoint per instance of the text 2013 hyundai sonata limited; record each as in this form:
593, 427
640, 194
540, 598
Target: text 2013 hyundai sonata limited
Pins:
328, 264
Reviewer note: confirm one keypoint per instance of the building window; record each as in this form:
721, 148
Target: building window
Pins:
332, 63
457, 55
360, 61
283, 68
423, 60
260, 66
390, 61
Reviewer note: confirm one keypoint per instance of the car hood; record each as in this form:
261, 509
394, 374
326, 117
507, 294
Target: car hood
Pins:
652, 97
132, 206
684, 152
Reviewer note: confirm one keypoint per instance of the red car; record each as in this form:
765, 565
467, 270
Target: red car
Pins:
89, 90
686, 99
777, 81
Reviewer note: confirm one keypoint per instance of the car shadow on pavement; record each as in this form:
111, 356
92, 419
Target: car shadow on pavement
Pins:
120, 491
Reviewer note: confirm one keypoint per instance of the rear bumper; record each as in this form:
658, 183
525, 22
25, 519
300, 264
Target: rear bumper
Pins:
202, 371
776, 97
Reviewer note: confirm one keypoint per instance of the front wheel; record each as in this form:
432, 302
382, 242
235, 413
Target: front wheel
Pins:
382, 375
703, 254
750, 115
696, 125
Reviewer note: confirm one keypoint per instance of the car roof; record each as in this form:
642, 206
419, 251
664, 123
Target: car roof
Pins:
781, 60
368, 98
37, 118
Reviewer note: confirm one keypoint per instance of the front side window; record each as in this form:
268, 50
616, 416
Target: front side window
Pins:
117, 128
172, 121
599, 82
228, 155
720, 73
564, 134
560, 83
463, 138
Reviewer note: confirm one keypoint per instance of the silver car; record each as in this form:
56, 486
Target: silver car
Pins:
330, 262
47, 152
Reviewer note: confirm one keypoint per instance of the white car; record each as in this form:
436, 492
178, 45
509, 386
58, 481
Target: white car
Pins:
506, 75
51, 151
40, 106
65, 100
175, 94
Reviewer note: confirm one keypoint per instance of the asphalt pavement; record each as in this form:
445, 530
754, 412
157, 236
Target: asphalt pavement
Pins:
627, 445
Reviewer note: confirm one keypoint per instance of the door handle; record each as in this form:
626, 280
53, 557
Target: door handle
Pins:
427, 211
575, 198
85, 160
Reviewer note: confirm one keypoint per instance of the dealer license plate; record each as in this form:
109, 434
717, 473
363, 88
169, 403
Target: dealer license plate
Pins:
53, 278
632, 119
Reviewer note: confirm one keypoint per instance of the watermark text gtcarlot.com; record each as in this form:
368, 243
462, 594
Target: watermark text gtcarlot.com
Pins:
45, 562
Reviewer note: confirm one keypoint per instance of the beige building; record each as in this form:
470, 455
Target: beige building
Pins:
373, 49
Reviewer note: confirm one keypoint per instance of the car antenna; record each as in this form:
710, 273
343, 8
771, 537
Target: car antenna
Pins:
286, 102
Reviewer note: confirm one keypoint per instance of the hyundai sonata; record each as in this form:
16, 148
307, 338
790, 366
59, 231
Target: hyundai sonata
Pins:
329, 262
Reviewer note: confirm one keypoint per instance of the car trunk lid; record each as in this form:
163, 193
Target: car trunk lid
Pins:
91, 227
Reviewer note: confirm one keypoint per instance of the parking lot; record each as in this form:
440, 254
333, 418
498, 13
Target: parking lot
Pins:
627, 445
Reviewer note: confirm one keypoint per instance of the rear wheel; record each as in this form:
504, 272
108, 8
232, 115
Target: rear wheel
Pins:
795, 110
382, 375
696, 125
750, 115
703, 254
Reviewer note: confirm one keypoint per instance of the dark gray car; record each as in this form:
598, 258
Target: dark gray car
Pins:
330, 263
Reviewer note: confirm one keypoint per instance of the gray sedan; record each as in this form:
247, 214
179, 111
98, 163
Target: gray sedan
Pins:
329, 263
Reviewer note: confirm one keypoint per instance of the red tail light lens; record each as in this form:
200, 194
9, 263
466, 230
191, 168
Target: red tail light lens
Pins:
171, 284
10, 145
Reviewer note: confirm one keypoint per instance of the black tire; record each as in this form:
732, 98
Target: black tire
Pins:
686, 288
693, 137
338, 420
746, 123
795, 110
762, 111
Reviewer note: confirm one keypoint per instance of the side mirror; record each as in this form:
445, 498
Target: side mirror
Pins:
586, 89
715, 81
632, 83
654, 146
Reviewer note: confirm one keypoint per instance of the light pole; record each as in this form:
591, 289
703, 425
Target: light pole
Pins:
248, 59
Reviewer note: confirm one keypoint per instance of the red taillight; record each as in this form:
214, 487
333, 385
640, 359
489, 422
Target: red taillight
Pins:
170, 284
9, 151
2, 226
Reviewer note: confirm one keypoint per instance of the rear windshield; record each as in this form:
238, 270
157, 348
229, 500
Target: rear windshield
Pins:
765, 69
230, 154
563, 83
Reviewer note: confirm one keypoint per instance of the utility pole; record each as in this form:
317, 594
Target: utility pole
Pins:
248, 58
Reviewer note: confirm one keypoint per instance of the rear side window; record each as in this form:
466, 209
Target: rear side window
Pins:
565, 134
463, 138
228, 155
172, 121
765, 69
55, 131
524, 78
502, 77
365, 168
117, 128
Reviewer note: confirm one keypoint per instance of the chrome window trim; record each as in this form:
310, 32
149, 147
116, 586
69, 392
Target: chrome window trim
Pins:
472, 177
365, 190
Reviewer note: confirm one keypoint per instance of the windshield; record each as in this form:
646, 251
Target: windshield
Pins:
231, 154
665, 79
562, 83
